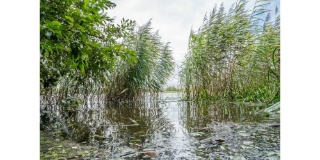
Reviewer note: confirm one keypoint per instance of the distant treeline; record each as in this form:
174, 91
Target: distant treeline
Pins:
172, 89
235, 55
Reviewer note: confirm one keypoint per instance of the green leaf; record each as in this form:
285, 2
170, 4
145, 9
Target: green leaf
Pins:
273, 55
82, 68
46, 53
122, 57
74, 65
81, 28
134, 59
117, 47
56, 23
59, 46
69, 19
85, 5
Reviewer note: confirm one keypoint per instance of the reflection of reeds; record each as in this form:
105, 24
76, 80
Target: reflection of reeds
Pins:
96, 122
234, 56
197, 115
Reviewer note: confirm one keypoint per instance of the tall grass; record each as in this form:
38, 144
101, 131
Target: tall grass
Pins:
234, 56
142, 70
154, 64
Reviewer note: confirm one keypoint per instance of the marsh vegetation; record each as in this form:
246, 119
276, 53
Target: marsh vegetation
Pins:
102, 85
234, 56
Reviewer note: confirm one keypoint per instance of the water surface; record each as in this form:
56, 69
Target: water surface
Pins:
166, 128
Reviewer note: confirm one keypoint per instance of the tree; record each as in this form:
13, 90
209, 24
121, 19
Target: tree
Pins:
78, 39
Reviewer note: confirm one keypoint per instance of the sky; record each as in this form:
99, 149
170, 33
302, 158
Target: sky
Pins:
173, 18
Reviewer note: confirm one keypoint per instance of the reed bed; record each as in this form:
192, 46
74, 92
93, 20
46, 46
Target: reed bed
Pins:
84, 54
234, 55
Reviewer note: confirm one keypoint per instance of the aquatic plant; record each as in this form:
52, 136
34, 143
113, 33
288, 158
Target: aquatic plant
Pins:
154, 64
234, 56
84, 54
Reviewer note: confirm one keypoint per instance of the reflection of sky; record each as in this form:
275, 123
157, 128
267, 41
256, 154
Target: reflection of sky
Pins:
179, 139
173, 18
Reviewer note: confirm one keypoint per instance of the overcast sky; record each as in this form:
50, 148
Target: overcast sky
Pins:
173, 18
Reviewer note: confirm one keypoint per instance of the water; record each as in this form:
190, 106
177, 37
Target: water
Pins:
161, 129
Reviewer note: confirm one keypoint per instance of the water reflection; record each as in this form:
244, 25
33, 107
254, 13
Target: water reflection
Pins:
165, 128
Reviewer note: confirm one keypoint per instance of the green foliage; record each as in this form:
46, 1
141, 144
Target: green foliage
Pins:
77, 39
232, 57
154, 64
82, 52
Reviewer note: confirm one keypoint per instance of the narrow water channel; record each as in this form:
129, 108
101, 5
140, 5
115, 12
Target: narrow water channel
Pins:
167, 128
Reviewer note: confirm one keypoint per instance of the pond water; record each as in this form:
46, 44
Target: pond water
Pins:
167, 128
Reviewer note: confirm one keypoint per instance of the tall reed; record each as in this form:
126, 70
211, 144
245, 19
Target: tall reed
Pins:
84, 54
234, 56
